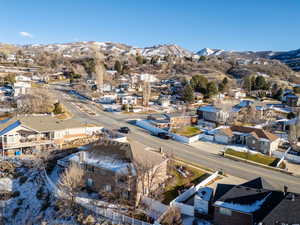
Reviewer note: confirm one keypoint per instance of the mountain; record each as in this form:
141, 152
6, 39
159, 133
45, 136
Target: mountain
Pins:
290, 58
165, 50
110, 48
208, 52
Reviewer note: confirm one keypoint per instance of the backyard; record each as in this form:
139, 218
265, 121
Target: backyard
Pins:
187, 131
258, 158
183, 177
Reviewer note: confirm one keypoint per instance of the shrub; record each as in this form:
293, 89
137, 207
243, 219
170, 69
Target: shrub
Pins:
15, 194
22, 180
15, 212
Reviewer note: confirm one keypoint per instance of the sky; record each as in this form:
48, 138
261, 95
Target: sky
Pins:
193, 24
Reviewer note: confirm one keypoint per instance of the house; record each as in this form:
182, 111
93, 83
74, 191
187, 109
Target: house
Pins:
291, 100
244, 204
238, 94
254, 138
159, 120
125, 170
212, 114
129, 99
164, 101
286, 212
22, 133
178, 120
107, 99
23, 78
21, 88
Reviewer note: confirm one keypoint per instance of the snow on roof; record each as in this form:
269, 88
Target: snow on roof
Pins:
243, 208
105, 162
6, 184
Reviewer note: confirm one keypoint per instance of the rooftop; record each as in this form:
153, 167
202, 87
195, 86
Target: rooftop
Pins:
286, 212
40, 123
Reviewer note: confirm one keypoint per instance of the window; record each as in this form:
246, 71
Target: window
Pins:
107, 188
225, 211
89, 182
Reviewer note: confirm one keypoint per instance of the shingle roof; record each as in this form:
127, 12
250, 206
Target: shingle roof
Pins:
132, 151
258, 133
250, 197
42, 123
286, 212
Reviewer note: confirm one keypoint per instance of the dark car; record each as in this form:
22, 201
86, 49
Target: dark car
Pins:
164, 135
124, 130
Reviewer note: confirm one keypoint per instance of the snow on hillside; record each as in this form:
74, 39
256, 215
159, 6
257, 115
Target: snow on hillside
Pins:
208, 52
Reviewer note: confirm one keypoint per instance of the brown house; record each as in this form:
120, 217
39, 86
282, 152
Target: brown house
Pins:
124, 170
254, 138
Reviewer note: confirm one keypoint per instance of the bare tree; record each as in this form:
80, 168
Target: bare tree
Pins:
71, 181
37, 101
172, 217
294, 133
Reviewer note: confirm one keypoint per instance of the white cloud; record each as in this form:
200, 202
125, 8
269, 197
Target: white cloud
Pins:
26, 34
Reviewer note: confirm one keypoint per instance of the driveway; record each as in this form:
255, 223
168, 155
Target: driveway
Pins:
208, 146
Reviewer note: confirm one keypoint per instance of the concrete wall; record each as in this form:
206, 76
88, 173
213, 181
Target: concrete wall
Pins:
187, 140
146, 125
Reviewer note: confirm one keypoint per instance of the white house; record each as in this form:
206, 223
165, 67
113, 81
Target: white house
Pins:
129, 99
23, 78
35, 132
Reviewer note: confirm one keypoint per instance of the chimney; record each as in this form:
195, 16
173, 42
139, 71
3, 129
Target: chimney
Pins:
285, 190
293, 197
81, 156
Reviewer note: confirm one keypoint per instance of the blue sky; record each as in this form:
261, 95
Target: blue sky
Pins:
192, 24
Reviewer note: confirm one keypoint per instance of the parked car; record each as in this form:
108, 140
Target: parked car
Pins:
124, 130
164, 135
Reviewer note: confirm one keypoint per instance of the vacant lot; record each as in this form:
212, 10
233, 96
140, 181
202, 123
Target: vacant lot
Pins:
179, 182
259, 158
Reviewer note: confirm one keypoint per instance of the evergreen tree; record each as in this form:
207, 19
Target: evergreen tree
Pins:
188, 94
139, 59
221, 87
212, 88
225, 81
260, 83
199, 83
118, 66
296, 89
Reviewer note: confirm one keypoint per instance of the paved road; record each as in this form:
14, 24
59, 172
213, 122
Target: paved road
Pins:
186, 152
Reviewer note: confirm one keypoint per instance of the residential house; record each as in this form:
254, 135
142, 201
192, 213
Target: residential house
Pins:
291, 100
212, 114
286, 212
21, 88
125, 170
159, 120
129, 100
237, 94
254, 138
244, 204
178, 120
23, 78
22, 133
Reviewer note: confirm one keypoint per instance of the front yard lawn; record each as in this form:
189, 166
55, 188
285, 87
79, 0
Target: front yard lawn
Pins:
187, 131
259, 158
178, 182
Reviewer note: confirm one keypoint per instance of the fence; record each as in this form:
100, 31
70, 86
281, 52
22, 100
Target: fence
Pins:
189, 209
105, 212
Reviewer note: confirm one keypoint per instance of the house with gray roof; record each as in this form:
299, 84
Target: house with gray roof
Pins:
22, 133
